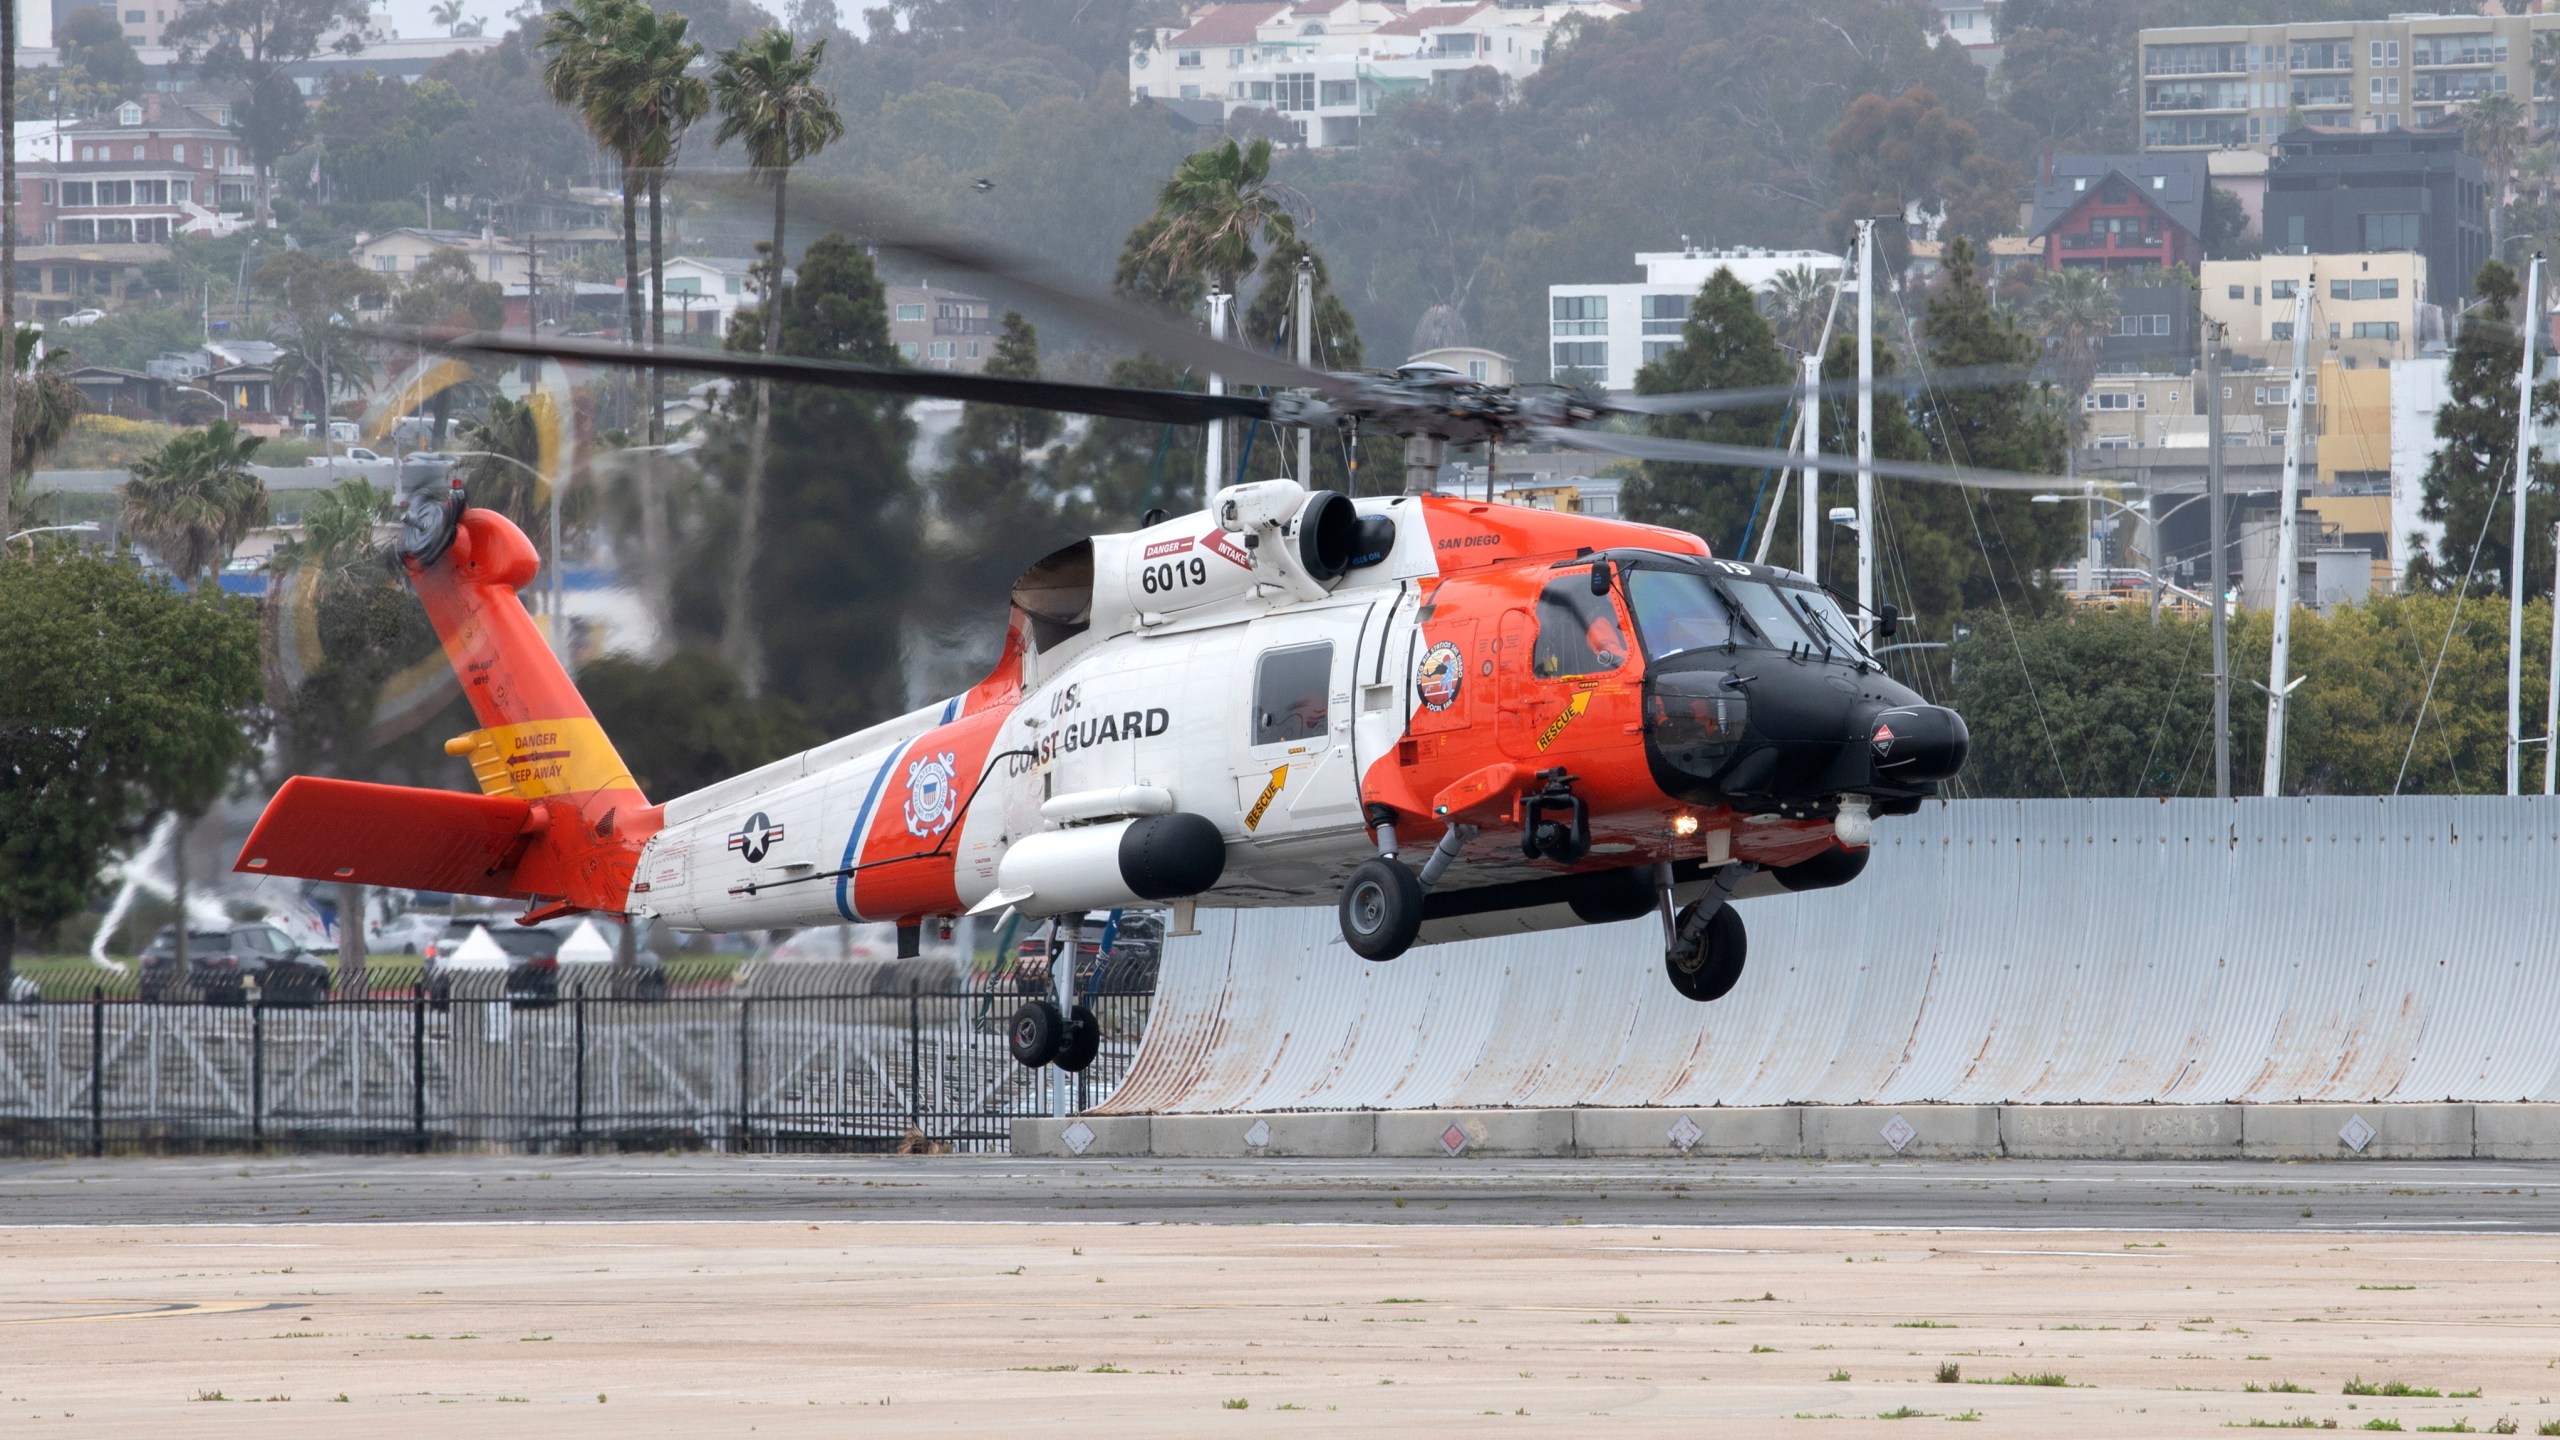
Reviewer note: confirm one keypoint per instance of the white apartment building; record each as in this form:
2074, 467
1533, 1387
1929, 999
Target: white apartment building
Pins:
1326, 65
705, 291
1611, 331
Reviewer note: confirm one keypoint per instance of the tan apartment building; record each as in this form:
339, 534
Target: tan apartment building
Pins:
2216, 87
2367, 311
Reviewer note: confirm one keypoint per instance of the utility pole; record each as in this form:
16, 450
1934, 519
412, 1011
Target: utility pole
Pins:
2221, 561
1217, 444
2515, 546
2287, 541
1306, 358
1866, 429
1809, 522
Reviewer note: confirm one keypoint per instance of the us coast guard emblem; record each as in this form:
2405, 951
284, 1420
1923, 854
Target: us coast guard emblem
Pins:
931, 805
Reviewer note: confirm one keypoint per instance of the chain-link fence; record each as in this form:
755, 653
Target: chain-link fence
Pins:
792, 1072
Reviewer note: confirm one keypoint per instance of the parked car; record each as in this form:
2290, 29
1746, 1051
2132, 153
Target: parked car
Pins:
408, 934
352, 455
222, 965
79, 318
533, 957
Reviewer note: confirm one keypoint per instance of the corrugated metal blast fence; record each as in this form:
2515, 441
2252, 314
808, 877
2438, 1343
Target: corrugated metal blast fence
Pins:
1995, 952
860, 1072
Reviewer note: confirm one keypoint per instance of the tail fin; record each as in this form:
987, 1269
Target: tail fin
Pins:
540, 758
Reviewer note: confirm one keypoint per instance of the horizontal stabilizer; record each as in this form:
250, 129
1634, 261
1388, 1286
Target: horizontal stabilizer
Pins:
390, 835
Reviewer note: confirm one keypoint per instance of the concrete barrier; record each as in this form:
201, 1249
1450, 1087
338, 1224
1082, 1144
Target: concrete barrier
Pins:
2131, 1132
2448, 1131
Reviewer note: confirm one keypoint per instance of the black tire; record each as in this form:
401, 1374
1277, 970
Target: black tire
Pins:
1083, 1042
1036, 1033
1707, 961
1380, 909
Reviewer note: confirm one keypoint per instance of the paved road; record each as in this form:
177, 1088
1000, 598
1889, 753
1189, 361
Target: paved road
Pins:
2478, 1197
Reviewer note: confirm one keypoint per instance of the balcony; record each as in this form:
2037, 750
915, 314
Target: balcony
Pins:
965, 325
2121, 242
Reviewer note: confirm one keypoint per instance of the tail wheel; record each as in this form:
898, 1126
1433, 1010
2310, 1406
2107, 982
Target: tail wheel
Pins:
1037, 1033
1381, 910
1706, 960
1083, 1041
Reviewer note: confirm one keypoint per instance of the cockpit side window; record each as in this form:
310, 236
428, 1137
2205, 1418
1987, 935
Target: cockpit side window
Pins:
1677, 611
1578, 632
1289, 690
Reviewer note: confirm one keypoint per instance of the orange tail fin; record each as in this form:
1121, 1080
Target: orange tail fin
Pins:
559, 822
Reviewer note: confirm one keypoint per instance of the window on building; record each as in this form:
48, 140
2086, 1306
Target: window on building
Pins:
115, 232
1339, 92
2293, 231
2239, 292
2281, 289
386, 263
2280, 330
1659, 350
2377, 330
1235, 56
115, 192
1190, 92
78, 192
2390, 231
1186, 59
1665, 314
2108, 400
134, 17
906, 349
1261, 89
150, 192
1582, 355
941, 350
1294, 91
911, 312
1580, 314
79, 232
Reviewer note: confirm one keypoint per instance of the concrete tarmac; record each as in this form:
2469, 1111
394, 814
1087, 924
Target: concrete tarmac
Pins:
2514, 1197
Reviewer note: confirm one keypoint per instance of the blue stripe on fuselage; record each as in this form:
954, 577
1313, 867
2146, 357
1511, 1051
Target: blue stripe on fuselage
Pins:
862, 825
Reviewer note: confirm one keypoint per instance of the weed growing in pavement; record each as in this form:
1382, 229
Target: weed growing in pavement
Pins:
2053, 1378
1238, 1404
2386, 1287
1948, 1374
2380, 1425
1839, 1376
1967, 1415
1903, 1412
2547, 1427
2302, 1423
1921, 1325
2281, 1387
214, 1394
2393, 1388
1764, 1349
1105, 1368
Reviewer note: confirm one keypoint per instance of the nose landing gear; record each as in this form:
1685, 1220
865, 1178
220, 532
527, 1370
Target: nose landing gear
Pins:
1381, 909
1706, 953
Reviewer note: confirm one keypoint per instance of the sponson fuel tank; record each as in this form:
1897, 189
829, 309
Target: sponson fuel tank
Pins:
1099, 867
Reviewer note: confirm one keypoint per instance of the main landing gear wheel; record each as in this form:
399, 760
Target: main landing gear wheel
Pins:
1706, 961
1381, 909
1083, 1042
1037, 1032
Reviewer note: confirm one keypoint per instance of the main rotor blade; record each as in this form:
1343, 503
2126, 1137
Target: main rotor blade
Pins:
869, 216
1691, 402
1701, 452
1168, 407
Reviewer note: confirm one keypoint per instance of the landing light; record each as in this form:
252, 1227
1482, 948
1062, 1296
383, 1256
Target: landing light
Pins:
1684, 825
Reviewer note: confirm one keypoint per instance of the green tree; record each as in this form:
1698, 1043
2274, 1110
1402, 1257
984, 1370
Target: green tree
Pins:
379, 138
993, 497
2227, 235
323, 354
2088, 703
44, 407
768, 95
1797, 302
1967, 550
445, 293
2468, 482
653, 64
91, 41
1725, 345
719, 731
2497, 128
1887, 155
2072, 310
250, 42
1212, 222
337, 539
2064, 84
1268, 323
194, 501
834, 587
119, 700
588, 71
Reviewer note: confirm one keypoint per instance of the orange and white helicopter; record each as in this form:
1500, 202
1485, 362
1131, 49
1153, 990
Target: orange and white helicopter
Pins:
1288, 697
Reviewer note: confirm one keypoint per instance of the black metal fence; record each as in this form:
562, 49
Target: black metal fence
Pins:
834, 1072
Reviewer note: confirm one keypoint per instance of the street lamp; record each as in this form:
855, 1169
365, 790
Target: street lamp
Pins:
209, 395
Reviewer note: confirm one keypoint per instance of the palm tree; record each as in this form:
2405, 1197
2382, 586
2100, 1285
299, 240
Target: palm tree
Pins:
1219, 204
666, 99
338, 526
46, 406
1796, 302
769, 97
2497, 128
585, 73
195, 500
447, 13
2071, 310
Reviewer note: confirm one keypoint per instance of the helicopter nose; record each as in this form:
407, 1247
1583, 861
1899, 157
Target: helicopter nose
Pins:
1913, 744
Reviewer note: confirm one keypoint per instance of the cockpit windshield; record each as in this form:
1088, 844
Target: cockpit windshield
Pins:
1677, 610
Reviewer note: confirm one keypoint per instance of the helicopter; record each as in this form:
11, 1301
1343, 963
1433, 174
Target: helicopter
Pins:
1448, 718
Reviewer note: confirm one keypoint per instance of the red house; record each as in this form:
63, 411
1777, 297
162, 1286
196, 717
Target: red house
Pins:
2120, 211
